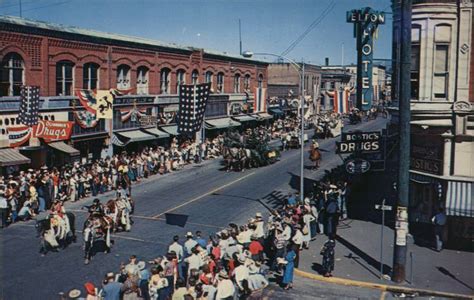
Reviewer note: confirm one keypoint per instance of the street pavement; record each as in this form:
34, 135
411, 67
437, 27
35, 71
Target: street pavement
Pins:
210, 197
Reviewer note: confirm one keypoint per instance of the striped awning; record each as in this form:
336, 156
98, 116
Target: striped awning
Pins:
63, 147
459, 199
171, 129
11, 157
221, 123
156, 132
244, 118
117, 142
264, 116
135, 136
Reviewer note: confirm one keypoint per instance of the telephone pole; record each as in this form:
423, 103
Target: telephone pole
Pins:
404, 93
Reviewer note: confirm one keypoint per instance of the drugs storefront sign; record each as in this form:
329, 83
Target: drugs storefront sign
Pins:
53, 130
363, 142
427, 153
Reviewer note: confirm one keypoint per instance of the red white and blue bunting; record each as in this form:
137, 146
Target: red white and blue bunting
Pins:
18, 135
134, 114
85, 119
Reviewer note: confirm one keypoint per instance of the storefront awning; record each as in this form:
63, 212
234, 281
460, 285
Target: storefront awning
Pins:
156, 132
460, 198
264, 116
244, 118
11, 157
221, 123
171, 129
135, 136
63, 147
276, 111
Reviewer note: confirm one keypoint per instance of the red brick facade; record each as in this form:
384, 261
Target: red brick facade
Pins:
41, 52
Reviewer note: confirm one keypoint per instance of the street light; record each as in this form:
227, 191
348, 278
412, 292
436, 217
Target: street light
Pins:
300, 70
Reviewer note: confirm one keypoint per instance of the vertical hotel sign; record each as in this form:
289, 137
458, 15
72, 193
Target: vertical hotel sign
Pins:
366, 21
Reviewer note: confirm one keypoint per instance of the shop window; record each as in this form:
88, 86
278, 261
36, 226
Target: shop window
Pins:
142, 81
64, 78
12, 72
90, 76
123, 77
165, 80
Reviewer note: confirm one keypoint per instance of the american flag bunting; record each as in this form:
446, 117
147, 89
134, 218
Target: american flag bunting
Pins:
192, 106
29, 105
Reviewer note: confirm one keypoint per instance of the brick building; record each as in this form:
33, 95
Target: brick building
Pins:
61, 60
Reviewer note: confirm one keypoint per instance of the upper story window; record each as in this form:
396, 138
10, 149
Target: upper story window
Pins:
247, 82
415, 62
260, 81
142, 81
237, 83
220, 82
180, 78
442, 42
208, 77
165, 80
12, 73
64, 78
123, 77
195, 77
90, 76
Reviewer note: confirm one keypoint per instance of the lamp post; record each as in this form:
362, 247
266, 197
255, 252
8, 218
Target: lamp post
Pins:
300, 69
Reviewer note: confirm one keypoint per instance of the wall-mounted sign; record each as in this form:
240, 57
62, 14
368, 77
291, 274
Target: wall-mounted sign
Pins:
363, 142
365, 22
133, 100
426, 154
53, 130
148, 121
357, 166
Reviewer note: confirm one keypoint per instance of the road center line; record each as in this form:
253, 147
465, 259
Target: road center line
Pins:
163, 219
203, 195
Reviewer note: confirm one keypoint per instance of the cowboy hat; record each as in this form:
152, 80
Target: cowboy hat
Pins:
90, 288
223, 274
189, 234
241, 259
258, 215
332, 186
75, 293
141, 265
110, 275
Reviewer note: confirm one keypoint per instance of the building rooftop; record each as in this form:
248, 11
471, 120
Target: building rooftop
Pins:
13, 20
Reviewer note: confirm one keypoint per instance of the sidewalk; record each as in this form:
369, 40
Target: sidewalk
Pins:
358, 258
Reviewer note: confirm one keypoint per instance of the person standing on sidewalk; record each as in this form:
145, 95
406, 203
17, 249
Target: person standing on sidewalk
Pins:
439, 220
287, 279
3, 208
328, 256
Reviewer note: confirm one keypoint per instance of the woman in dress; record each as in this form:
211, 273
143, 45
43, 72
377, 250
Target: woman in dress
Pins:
328, 256
289, 268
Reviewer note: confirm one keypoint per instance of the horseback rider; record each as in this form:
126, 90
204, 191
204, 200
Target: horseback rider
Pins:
96, 209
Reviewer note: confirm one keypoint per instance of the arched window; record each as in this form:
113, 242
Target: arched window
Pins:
195, 77
64, 78
237, 83
12, 74
180, 78
247, 82
165, 80
142, 81
90, 76
260, 81
209, 77
123, 77
220, 82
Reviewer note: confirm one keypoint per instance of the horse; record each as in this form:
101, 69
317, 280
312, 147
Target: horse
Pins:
96, 227
315, 156
119, 211
56, 236
231, 157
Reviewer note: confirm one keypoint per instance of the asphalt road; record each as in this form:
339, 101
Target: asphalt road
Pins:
210, 197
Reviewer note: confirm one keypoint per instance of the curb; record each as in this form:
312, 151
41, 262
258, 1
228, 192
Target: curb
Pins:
379, 286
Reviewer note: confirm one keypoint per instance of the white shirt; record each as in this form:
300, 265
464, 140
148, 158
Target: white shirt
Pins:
194, 261
178, 249
259, 230
244, 236
298, 237
225, 289
189, 245
241, 273
287, 233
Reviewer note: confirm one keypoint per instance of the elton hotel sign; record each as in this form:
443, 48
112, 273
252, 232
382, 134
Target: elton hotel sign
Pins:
366, 21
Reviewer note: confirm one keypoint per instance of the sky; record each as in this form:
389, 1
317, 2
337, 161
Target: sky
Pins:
269, 26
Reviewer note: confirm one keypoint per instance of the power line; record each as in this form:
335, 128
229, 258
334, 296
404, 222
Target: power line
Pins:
313, 25
45, 6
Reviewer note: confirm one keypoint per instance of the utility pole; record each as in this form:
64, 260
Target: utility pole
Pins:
240, 38
401, 225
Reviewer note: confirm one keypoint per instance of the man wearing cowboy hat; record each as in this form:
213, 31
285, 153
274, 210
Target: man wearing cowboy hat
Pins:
111, 289
225, 287
259, 224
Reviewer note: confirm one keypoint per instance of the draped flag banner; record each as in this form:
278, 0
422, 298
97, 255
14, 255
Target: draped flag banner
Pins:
99, 103
88, 100
134, 114
29, 105
260, 100
192, 105
18, 135
341, 99
85, 119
